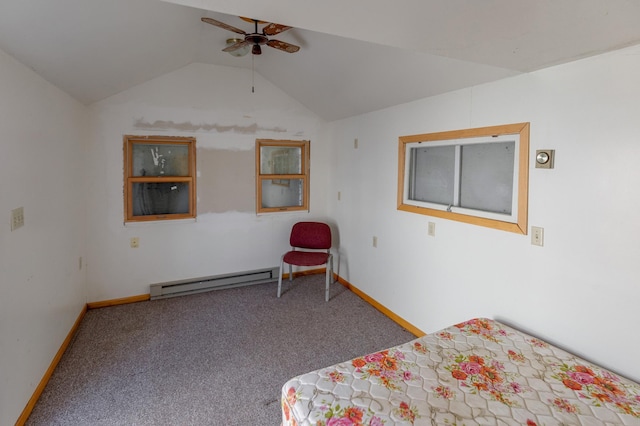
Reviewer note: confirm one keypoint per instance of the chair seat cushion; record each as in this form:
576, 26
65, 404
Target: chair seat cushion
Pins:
305, 258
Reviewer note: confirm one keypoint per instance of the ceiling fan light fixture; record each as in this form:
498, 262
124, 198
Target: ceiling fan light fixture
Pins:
238, 52
254, 39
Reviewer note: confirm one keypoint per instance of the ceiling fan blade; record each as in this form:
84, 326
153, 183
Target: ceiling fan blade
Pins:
273, 29
223, 25
251, 21
236, 46
284, 46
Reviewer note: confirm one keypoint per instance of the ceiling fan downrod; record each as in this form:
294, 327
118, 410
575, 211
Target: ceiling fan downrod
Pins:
257, 39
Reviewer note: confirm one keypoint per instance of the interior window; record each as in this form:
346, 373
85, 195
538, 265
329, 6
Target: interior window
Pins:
159, 178
282, 175
477, 176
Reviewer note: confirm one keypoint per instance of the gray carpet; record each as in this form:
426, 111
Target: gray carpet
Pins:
216, 358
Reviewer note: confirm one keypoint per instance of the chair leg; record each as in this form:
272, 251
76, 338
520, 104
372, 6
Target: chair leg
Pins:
332, 280
328, 274
280, 276
290, 273
326, 291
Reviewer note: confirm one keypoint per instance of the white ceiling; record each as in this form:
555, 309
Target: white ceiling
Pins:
357, 55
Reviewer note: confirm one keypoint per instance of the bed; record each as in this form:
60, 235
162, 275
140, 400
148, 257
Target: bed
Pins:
479, 372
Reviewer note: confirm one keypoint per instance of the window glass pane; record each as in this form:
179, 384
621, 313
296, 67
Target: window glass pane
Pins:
160, 160
280, 160
486, 180
282, 193
158, 198
432, 174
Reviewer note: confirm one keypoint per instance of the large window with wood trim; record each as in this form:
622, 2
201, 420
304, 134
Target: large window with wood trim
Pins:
159, 178
282, 175
478, 176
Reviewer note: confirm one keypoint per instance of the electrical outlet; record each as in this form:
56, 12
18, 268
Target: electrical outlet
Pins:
355, 143
537, 236
432, 229
339, 195
17, 218
135, 242
375, 241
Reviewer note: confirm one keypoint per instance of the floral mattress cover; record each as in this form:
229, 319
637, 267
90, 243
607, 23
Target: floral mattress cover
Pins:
479, 372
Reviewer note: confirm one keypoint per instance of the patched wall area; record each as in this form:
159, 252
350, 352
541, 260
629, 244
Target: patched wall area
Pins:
226, 181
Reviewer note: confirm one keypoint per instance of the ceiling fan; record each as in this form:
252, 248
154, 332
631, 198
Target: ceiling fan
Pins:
256, 39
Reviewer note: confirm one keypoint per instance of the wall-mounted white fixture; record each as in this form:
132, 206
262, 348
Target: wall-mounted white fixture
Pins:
238, 52
544, 158
17, 218
537, 236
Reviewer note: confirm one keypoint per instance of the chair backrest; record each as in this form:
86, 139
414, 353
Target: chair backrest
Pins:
311, 235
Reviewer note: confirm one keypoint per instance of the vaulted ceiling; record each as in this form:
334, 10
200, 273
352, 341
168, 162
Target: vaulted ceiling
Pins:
356, 56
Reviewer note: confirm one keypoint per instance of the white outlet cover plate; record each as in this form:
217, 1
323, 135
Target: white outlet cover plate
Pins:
537, 236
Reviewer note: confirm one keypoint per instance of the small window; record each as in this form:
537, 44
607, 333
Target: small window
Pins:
477, 176
159, 174
282, 175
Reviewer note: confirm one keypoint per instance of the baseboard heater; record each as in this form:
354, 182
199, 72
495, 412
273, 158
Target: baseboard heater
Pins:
216, 282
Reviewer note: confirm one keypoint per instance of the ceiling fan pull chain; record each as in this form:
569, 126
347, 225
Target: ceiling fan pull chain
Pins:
252, 74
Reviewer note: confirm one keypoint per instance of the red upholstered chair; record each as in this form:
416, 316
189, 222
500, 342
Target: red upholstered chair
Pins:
310, 246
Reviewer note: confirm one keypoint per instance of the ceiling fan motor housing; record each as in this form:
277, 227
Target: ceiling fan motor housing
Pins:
256, 38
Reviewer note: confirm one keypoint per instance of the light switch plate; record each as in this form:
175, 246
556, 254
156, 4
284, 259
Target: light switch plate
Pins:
17, 218
537, 236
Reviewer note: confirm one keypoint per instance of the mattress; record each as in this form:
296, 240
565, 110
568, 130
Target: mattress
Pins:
479, 372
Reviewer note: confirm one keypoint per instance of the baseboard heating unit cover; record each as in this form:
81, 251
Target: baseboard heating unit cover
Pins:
217, 282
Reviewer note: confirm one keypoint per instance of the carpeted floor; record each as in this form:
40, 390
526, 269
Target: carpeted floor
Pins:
216, 358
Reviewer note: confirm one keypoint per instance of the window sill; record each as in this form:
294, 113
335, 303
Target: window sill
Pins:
158, 222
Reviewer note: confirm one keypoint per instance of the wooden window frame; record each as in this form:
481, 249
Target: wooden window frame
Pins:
278, 179
130, 179
521, 129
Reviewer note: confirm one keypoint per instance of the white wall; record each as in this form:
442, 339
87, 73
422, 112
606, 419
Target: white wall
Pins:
216, 105
42, 288
580, 291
